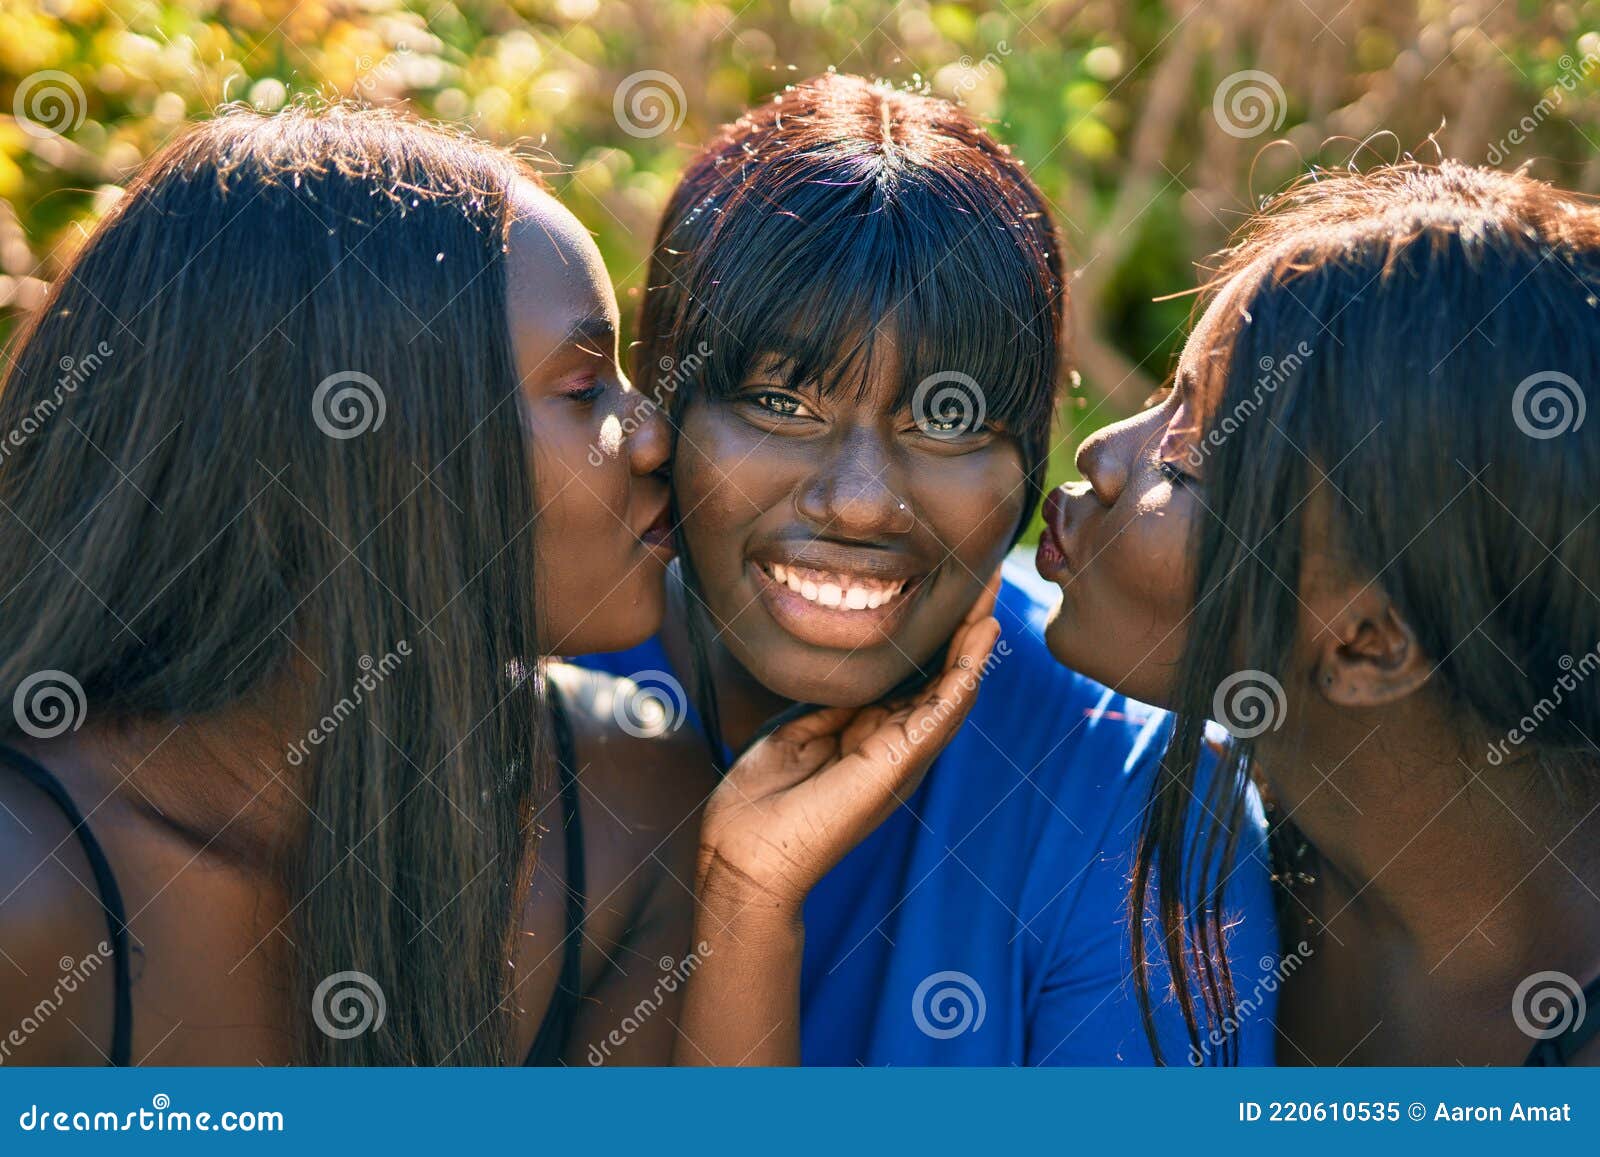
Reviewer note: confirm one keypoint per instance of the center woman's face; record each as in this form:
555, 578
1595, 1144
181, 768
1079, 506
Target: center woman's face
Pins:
837, 542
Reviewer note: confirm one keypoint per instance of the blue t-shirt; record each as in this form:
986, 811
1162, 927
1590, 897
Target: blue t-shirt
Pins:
985, 922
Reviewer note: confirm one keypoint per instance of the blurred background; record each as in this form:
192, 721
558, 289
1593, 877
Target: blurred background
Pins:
1153, 126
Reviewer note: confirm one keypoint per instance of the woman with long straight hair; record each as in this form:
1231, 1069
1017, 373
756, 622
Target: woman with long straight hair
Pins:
1361, 533
314, 449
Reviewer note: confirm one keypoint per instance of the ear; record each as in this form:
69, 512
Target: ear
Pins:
1369, 656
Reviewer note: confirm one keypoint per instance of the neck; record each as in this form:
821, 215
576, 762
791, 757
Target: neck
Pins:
743, 703
1458, 881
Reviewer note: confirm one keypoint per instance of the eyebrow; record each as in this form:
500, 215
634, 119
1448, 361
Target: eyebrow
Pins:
597, 331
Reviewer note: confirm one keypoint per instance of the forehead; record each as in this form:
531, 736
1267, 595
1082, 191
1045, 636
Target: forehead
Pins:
1204, 361
555, 274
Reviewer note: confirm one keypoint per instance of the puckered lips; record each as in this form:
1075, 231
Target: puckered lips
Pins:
834, 595
1053, 559
657, 536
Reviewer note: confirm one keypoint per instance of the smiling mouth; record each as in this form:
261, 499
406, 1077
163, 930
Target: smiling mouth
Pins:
834, 608
835, 589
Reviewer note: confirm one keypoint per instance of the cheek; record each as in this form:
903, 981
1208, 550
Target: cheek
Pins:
581, 479
1151, 561
723, 483
973, 504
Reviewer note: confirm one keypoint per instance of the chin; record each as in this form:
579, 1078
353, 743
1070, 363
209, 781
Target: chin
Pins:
620, 623
819, 678
1145, 681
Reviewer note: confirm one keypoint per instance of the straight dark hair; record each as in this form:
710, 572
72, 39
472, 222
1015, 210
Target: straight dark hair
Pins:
297, 461
1432, 336
840, 210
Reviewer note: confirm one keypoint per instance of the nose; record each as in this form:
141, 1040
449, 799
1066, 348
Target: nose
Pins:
855, 492
1104, 460
649, 443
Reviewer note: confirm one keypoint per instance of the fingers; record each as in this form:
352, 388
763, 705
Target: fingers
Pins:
980, 610
825, 721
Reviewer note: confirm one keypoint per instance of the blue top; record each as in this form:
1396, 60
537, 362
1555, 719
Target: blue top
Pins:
985, 923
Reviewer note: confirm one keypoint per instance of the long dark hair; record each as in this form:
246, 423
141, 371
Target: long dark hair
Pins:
297, 459
836, 207
1424, 339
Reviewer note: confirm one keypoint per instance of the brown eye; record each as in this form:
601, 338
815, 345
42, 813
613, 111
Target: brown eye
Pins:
777, 403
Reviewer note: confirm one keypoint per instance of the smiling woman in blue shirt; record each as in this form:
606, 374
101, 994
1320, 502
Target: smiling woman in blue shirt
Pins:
881, 289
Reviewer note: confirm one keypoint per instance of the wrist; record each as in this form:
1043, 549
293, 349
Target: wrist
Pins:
728, 897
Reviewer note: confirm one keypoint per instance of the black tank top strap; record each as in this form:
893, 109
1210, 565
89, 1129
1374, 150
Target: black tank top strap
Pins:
1558, 1051
110, 895
551, 1041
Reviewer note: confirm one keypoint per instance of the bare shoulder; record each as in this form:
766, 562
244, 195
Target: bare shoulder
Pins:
57, 994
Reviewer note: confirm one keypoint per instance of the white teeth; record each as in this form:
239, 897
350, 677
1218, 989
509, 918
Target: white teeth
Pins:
844, 594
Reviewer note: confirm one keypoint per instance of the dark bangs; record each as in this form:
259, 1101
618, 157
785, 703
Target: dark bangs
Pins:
846, 228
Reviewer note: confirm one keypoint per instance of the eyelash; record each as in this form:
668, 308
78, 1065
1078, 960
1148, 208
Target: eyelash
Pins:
588, 393
1173, 475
